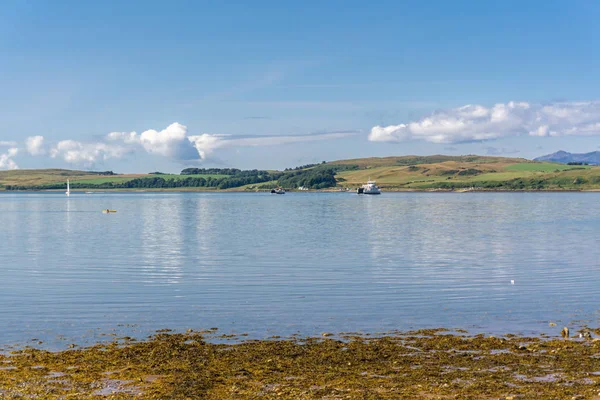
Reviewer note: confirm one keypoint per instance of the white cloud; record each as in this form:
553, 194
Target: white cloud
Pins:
125, 137
206, 143
7, 143
6, 159
86, 154
475, 122
172, 142
35, 145
278, 140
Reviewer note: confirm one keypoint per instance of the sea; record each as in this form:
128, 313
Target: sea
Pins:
266, 265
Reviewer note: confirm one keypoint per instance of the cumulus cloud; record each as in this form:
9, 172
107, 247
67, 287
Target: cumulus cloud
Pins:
172, 142
86, 154
475, 122
35, 145
205, 144
6, 159
125, 137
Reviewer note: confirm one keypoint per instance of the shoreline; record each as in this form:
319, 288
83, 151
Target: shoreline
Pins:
267, 191
423, 364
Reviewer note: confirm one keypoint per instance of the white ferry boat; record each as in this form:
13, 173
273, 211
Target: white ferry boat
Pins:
369, 188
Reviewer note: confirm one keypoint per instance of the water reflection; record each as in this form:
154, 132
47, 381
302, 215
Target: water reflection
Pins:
300, 262
162, 238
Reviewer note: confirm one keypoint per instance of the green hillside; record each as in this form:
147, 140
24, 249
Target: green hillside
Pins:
437, 172
466, 172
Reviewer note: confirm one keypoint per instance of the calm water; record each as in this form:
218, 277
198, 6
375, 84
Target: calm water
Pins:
302, 262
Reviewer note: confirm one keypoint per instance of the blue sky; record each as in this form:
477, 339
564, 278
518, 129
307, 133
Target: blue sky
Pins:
272, 84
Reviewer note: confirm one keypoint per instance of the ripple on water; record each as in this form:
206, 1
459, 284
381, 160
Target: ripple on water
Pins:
303, 263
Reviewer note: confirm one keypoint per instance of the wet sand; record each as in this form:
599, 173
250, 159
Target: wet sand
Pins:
427, 364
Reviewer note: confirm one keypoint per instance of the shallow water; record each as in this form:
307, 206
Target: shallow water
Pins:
299, 263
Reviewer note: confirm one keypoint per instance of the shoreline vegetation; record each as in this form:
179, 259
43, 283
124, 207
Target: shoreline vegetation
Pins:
424, 364
393, 174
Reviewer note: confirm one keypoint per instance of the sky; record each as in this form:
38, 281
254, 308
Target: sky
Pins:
141, 86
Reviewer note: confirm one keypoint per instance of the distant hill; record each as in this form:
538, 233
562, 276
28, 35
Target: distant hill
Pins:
441, 172
566, 157
414, 172
374, 162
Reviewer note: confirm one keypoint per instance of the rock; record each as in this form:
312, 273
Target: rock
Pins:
326, 334
552, 324
565, 332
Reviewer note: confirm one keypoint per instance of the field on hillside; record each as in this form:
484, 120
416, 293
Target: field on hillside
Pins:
374, 162
495, 173
543, 167
30, 177
436, 172
125, 178
106, 179
27, 177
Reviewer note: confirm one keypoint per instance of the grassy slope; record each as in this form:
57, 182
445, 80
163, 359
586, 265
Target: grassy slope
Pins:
42, 176
391, 173
33, 177
374, 162
415, 172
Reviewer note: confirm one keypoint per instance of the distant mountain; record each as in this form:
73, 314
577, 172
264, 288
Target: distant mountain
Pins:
566, 157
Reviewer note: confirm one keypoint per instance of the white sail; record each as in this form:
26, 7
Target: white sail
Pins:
68, 192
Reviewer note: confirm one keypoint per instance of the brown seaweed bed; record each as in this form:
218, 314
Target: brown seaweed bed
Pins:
426, 364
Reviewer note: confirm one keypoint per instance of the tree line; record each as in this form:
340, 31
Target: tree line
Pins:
534, 183
316, 177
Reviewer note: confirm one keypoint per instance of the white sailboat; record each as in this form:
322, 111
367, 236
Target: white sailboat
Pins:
68, 192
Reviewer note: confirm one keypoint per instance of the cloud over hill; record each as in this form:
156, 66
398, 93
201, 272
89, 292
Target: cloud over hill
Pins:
475, 123
173, 142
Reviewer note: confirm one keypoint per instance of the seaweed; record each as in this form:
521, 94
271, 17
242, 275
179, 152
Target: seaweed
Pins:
419, 364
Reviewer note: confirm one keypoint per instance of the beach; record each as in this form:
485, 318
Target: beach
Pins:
425, 364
